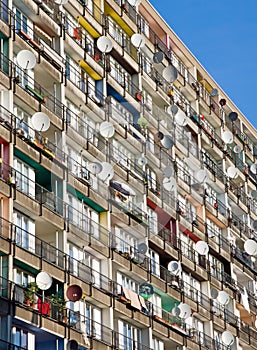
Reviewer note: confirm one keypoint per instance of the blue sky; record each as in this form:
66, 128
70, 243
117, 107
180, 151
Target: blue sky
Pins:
223, 37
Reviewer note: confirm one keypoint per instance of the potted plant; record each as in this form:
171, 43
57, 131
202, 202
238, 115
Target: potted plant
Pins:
58, 308
29, 293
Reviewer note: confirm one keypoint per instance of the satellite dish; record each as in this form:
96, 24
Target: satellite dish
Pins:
134, 2
40, 121
138, 41
169, 183
174, 267
158, 57
107, 172
250, 246
254, 224
232, 172
222, 102
233, 116
74, 293
142, 248
201, 176
202, 248
254, 194
214, 92
172, 109
167, 142
214, 293
160, 135
142, 160
176, 311
72, 345
26, 59
253, 168
61, 2
223, 298
44, 280
227, 137
227, 338
185, 310
104, 44
142, 122
170, 74
237, 149
94, 168
146, 290
106, 129
180, 118
167, 172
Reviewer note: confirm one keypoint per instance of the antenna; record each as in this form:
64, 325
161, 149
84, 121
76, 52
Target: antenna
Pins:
146, 290
201, 176
180, 118
253, 168
134, 2
167, 142
174, 267
74, 293
237, 149
202, 248
138, 41
227, 137
106, 129
72, 345
95, 168
107, 172
44, 280
61, 2
214, 92
142, 248
169, 183
185, 310
26, 59
104, 44
223, 298
222, 102
254, 194
227, 338
214, 293
167, 171
254, 224
142, 160
232, 172
170, 74
250, 246
233, 116
40, 121
158, 57
172, 109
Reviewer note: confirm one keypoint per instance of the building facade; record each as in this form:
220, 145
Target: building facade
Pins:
144, 157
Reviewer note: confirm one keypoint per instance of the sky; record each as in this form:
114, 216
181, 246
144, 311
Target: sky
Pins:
222, 35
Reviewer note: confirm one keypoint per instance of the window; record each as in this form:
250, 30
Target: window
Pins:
144, 26
151, 179
187, 246
22, 338
74, 73
126, 282
214, 231
25, 177
22, 277
157, 305
129, 336
216, 267
23, 121
118, 34
21, 22
125, 241
153, 221
120, 74
155, 263
191, 287
24, 231
157, 344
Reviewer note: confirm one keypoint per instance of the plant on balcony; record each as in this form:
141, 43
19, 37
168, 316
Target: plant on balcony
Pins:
58, 308
29, 293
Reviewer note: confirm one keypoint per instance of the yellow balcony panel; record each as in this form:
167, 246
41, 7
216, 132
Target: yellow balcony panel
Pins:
89, 28
118, 19
89, 70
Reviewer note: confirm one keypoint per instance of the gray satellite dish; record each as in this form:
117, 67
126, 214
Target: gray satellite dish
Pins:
254, 194
250, 246
158, 57
253, 168
95, 168
223, 298
237, 149
107, 172
227, 338
180, 118
232, 172
176, 311
142, 248
106, 129
72, 345
233, 116
254, 224
138, 41
201, 176
167, 172
169, 183
134, 2
167, 142
227, 137
170, 74
44, 280
214, 92
40, 121
142, 160
172, 109
202, 248
174, 267
214, 293
26, 59
104, 44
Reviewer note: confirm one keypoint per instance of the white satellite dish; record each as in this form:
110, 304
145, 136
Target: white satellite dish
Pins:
138, 41
201, 176
223, 298
26, 59
227, 137
106, 129
254, 194
40, 121
202, 248
104, 44
167, 171
169, 183
232, 172
134, 2
214, 293
172, 109
107, 172
170, 74
227, 338
142, 248
158, 57
95, 168
174, 267
253, 168
176, 311
167, 142
180, 118
44, 280
254, 224
142, 160
185, 309
61, 2
237, 149
250, 246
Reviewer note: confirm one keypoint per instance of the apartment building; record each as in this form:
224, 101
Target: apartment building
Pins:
122, 164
